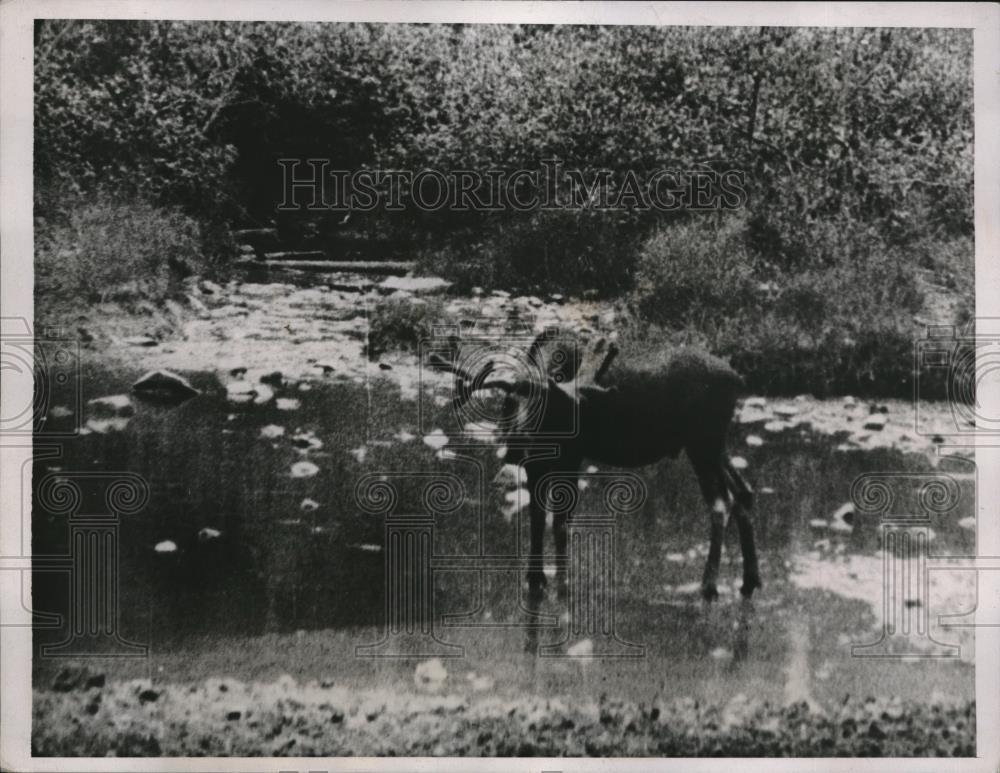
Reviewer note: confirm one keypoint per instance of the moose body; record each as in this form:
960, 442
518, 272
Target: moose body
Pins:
639, 418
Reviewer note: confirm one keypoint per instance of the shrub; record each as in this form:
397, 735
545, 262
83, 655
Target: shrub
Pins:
106, 249
843, 324
401, 324
558, 250
693, 272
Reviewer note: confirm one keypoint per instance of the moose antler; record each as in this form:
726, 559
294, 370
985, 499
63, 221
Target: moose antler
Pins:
609, 357
591, 370
467, 383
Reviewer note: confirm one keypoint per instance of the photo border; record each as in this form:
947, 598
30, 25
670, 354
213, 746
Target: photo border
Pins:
16, 300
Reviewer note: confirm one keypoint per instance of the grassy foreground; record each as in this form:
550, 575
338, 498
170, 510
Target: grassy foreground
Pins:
231, 718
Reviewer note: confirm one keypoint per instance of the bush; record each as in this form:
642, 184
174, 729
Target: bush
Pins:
557, 250
401, 325
695, 271
106, 249
843, 324
835, 128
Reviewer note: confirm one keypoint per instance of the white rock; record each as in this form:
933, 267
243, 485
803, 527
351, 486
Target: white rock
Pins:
482, 683
263, 394
164, 386
240, 392
403, 436
105, 426
511, 474
360, 454
306, 442
430, 675
272, 431
739, 463
842, 520
167, 546
876, 422
436, 440
308, 505
755, 441
288, 404
207, 534
415, 284
112, 406
304, 470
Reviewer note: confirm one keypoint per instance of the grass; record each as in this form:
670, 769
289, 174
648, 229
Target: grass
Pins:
177, 720
110, 250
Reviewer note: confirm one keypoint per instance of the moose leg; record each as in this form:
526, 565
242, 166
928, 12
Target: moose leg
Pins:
743, 495
713, 489
751, 571
562, 558
561, 511
536, 509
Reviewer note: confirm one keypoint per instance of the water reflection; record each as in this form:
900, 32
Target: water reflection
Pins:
298, 554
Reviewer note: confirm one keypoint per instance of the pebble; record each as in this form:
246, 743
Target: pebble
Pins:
430, 675
843, 519
876, 422
436, 440
304, 470
582, 649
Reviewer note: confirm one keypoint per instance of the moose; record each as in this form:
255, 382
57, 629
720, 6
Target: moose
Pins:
622, 417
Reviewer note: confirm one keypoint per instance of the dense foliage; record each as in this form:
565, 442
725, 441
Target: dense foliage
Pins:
844, 127
854, 145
